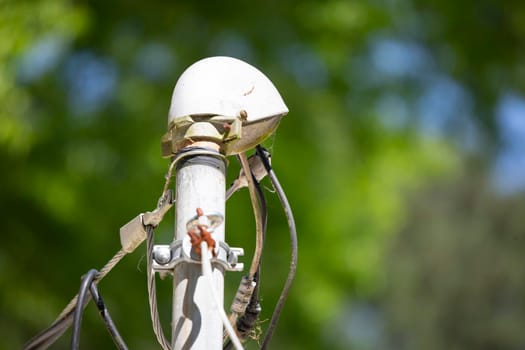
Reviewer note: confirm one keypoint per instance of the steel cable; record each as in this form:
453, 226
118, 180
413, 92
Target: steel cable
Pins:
47, 337
152, 293
257, 213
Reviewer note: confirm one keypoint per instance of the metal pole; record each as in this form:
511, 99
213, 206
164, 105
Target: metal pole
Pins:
224, 104
200, 183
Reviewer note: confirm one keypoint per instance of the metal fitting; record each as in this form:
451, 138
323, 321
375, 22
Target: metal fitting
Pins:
227, 257
162, 254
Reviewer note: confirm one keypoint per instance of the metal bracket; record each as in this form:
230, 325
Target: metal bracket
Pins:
167, 257
133, 233
155, 217
216, 128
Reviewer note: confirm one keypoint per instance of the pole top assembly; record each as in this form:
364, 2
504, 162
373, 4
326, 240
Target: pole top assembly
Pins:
223, 100
220, 106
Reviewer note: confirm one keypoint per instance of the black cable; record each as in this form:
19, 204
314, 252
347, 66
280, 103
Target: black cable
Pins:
83, 296
108, 321
293, 241
49, 336
262, 201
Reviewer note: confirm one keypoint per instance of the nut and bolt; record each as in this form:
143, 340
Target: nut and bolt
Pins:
162, 255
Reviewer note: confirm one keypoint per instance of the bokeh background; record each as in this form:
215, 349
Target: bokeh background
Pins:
403, 157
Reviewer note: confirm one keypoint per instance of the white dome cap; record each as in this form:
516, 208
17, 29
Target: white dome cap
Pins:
225, 86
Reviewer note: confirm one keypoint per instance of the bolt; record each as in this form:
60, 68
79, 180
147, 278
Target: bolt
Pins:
162, 255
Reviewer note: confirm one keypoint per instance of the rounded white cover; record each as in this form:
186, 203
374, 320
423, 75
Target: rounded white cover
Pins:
225, 86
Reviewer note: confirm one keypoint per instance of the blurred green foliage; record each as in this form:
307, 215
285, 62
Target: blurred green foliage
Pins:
459, 262
386, 157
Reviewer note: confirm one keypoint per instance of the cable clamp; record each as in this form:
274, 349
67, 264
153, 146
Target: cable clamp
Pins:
167, 257
155, 217
134, 233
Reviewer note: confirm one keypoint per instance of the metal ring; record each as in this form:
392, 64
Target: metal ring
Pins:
196, 151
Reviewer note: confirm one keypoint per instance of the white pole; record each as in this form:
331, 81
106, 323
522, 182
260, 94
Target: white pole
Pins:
200, 183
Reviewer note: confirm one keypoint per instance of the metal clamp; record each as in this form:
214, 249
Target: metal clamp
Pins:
219, 129
134, 233
155, 217
167, 257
